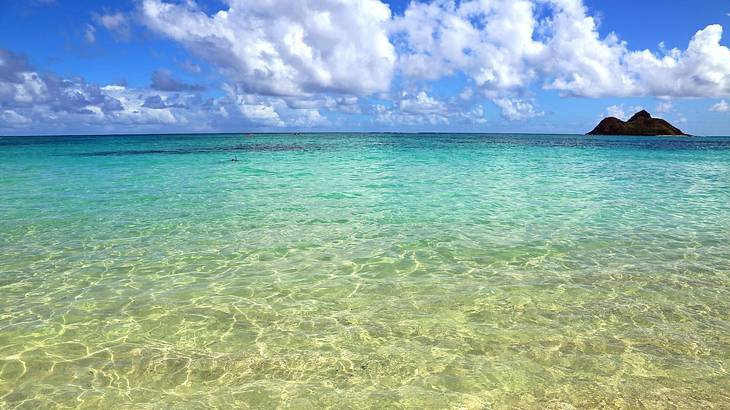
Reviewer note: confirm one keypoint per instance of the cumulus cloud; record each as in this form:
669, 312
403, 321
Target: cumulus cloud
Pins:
391, 115
621, 111
515, 109
422, 104
490, 41
22, 87
261, 113
422, 109
288, 47
292, 62
304, 50
28, 97
40, 102
507, 45
576, 61
722, 106
616, 111
702, 70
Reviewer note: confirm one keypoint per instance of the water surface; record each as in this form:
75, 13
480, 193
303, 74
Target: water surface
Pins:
364, 270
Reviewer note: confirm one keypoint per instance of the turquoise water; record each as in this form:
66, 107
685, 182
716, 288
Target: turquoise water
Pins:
355, 271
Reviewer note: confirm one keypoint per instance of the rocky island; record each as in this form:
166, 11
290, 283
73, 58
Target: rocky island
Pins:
640, 124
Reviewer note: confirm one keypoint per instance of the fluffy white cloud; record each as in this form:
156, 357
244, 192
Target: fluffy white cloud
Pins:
474, 116
621, 112
287, 47
304, 50
422, 104
491, 41
504, 46
393, 116
423, 109
515, 109
294, 62
702, 70
722, 106
48, 103
576, 60
261, 113
616, 111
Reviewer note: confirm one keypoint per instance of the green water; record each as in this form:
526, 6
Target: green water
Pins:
364, 271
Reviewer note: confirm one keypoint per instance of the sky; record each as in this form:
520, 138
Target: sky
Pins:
533, 66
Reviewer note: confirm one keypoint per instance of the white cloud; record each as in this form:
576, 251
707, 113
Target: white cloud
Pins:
702, 70
260, 113
49, 102
616, 111
515, 109
422, 104
394, 117
422, 109
476, 115
309, 118
490, 41
576, 60
504, 46
133, 110
288, 47
345, 104
722, 106
12, 118
30, 89
621, 112
294, 62
117, 23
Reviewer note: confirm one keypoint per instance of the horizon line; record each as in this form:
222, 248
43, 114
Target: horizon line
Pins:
249, 133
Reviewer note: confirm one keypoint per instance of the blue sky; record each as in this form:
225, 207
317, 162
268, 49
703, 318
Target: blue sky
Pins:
360, 65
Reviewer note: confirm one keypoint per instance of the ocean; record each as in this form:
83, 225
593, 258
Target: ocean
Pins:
364, 271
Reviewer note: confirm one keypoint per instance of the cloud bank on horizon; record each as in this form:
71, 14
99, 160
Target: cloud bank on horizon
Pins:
340, 64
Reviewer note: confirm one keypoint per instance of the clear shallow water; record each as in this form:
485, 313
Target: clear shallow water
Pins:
384, 271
